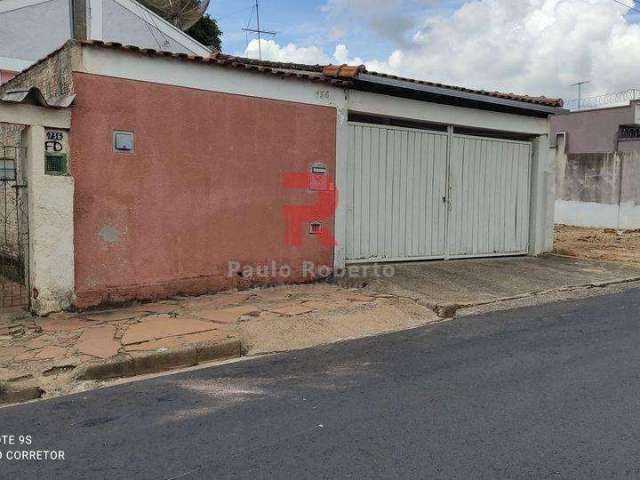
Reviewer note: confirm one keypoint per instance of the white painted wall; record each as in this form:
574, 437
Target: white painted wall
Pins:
31, 29
51, 252
130, 23
598, 215
50, 210
543, 177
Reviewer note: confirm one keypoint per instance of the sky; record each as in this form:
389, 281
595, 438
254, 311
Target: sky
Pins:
537, 47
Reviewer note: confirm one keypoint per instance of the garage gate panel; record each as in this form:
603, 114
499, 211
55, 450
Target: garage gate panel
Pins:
397, 182
489, 197
411, 198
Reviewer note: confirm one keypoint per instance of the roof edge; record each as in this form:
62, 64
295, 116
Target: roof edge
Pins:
361, 73
503, 100
33, 96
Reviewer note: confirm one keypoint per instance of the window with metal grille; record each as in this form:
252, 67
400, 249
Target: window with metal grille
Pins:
55, 164
7, 169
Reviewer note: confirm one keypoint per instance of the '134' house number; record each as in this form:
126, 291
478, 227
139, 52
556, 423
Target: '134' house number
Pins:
54, 142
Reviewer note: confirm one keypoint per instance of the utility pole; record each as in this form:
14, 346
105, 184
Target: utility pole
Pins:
258, 30
579, 85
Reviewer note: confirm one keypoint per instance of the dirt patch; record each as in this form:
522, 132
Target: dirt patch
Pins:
598, 244
275, 333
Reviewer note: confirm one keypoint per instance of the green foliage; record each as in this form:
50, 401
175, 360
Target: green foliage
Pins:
207, 32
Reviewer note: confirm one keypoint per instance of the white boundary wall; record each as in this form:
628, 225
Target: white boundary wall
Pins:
50, 210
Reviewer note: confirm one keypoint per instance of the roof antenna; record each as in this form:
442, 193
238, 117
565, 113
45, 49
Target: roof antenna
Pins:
579, 85
258, 30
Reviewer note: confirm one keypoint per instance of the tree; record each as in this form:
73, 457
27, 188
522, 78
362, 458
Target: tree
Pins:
207, 32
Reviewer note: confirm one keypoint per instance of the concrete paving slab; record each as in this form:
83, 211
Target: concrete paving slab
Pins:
26, 355
226, 315
159, 308
40, 342
217, 301
113, 315
51, 352
98, 342
9, 351
157, 327
62, 324
485, 280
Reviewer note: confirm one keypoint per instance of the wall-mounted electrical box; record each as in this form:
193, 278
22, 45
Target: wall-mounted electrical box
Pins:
123, 142
318, 178
56, 152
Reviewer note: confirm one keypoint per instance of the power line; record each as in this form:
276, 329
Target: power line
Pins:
152, 27
632, 7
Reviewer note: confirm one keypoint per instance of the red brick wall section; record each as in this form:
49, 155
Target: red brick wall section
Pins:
203, 187
6, 75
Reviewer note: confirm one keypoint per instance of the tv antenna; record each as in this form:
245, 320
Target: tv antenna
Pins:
579, 85
258, 31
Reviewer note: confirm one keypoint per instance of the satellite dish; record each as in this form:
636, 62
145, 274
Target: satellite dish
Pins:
181, 13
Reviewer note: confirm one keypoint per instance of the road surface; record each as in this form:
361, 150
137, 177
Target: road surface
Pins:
545, 392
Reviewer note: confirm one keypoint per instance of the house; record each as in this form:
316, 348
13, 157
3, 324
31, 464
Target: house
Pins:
152, 174
599, 173
30, 29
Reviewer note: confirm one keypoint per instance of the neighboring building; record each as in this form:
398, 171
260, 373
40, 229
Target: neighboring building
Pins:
30, 29
598, 182
187, 175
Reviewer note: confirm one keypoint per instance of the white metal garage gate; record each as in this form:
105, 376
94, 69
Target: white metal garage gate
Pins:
410, 198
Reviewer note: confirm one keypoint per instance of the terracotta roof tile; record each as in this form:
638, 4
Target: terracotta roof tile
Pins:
281, 69
549, 102
339, 75
344, 76
343, 71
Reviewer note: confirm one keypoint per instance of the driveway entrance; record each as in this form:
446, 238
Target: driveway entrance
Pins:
420, 194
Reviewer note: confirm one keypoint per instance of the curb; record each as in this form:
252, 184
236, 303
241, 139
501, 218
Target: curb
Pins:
19, 391
449, 310
161, 361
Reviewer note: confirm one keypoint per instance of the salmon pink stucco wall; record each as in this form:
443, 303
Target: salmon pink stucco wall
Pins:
204, 186
6, 75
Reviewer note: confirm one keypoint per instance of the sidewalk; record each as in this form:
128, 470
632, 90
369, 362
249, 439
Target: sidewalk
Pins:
68, 352
446, 286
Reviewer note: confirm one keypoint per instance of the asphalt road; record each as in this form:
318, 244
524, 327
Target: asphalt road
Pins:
546, 392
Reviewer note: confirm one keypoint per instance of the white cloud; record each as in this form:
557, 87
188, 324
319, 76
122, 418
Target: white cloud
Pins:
527, 46
289, 53
387, 19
